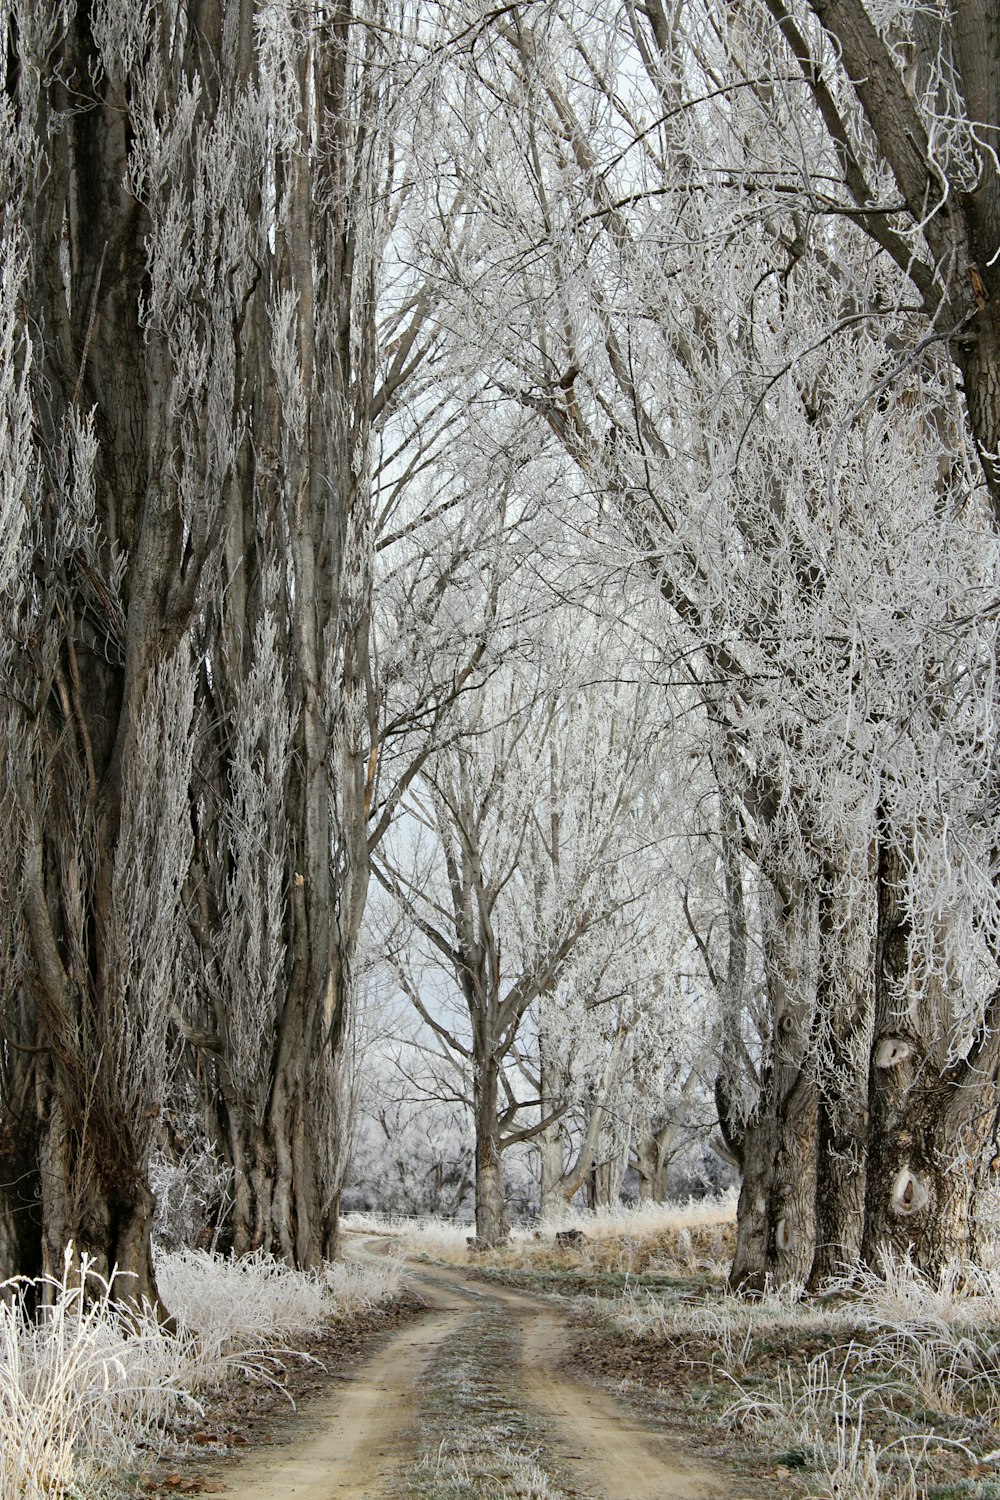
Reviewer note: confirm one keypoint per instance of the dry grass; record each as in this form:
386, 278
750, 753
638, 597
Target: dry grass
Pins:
667, 1239
888, 1390
505, 1474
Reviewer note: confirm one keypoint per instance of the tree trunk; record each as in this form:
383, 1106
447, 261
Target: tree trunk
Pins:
551, 1171
21, 1220
775, 1217
653, 1147
845, 1000
93, 1218
599, 1186
551, 1153
960, 227
131, 463
648, 1164
492, 1223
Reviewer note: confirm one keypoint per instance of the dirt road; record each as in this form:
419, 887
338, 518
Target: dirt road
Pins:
478, 1374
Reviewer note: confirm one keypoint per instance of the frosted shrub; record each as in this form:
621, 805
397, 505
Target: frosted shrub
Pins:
192, 1192
356, 1288
231, 1303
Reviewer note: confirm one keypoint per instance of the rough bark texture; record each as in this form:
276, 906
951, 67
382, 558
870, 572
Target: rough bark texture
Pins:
116, 583
202, 329
844, 1006
776, 1210
492, 1222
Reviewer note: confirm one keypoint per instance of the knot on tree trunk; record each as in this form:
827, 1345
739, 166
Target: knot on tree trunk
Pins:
909, 1194
891, 1051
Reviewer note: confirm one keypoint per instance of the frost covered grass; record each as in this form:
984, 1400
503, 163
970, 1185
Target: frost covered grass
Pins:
478, 1438
260, 1301
76, 1382
84, 1384
887, 1389
723, 1316
504, 1474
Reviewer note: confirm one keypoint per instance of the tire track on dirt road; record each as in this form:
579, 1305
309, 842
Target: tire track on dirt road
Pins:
350, 1442
362, 1441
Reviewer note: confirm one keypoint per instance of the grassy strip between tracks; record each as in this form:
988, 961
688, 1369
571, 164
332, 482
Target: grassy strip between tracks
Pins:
476, 1438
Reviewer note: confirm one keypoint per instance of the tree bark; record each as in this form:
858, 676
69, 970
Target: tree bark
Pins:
845, 1000
116, 569
492, 1222
775, 1232
653, 1144
551, 1152
649, 1162
203, 396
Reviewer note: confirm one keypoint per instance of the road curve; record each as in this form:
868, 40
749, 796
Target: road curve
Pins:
359, 1441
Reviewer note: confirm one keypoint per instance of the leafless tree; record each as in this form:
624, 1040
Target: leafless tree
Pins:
745, 481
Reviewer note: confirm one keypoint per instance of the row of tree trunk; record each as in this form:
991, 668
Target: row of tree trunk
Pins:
874, 1127
187, 731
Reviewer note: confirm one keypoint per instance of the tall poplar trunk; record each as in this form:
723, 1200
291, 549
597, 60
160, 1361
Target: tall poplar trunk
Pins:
844, 1005
960, 228
775, 1221
289, 711
117, 567
203, 334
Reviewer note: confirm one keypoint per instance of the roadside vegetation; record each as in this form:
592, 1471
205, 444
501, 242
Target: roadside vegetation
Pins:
92, 1393
886, 1387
